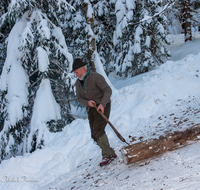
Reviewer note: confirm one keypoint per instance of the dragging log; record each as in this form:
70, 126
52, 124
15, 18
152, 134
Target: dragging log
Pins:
150, 148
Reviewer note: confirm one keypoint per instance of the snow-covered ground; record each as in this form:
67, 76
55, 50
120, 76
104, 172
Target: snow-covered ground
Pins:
147, 106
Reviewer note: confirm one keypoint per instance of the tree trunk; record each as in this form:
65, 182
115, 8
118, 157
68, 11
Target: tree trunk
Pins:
90, 32
151, 148
187, 20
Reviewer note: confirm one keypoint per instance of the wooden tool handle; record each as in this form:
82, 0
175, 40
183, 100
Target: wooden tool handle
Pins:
114, 129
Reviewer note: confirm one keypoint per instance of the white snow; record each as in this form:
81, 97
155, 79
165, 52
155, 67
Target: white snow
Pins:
49, 109
17, 92
45, 109
90, 9
13, 52
99, 69
130, 5
146, 106
120, 10
148, 41
137, 47
18, 88
45, 32
43, 60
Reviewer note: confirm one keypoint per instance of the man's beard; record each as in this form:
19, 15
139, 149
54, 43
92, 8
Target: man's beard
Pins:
82, 77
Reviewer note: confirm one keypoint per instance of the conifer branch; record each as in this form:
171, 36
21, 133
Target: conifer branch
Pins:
151, 17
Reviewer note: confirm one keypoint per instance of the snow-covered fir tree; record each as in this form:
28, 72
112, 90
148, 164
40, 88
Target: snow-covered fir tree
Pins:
74, 25
187, 14
3, 33
187, 20
82, 39
104, 27
36, 78
195, 20
138, 37
174, 26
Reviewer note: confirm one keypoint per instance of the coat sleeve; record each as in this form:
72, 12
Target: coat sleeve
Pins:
107, 91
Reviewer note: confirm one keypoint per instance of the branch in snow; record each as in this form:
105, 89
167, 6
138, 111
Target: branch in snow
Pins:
151, 17
56, 62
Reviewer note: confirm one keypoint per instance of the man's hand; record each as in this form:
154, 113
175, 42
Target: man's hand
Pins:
100, 107
91, 102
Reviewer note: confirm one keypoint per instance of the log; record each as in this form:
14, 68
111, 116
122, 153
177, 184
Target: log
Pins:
150, 148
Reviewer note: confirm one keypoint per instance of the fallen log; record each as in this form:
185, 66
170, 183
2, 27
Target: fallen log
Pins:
153, 147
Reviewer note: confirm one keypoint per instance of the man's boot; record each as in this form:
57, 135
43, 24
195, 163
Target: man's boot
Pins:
108, 154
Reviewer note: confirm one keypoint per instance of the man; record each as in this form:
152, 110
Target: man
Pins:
92, 89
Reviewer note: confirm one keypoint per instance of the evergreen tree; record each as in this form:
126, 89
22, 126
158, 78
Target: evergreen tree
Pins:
36, 76
195, 15
187, 20
4, 30
75, 32
138, 37
91, 41
187, 12
174, 25
104, 27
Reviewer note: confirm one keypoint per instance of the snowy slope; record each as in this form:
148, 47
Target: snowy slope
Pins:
147, 106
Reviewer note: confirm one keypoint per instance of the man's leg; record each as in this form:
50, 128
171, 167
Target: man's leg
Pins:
97, 125
103, 143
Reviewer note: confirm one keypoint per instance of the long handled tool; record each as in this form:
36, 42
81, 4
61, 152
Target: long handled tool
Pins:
114, 129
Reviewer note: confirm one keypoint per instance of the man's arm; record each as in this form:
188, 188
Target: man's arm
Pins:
107, 91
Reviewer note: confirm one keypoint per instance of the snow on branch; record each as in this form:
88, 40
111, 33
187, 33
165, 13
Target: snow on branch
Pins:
151, 17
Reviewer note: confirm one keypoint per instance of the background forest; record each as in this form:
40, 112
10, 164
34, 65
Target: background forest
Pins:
39, 40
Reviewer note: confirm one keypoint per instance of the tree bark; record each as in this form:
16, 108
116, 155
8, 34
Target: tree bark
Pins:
153, 147
187, 20
90, 33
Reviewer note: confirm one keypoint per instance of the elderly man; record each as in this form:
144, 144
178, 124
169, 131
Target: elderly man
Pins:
92, 89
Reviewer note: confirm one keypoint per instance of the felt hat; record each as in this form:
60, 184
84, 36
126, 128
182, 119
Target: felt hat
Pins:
78, 63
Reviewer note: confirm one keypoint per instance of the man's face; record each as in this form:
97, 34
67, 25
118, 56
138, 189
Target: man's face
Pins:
80, 73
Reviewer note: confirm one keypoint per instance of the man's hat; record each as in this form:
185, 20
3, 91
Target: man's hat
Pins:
77, 64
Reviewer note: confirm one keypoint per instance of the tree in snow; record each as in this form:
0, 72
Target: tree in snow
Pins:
91, 26
138, 36
184, 7
89, 16
93, 55
35, 77
187, 20
188, 15
74, 24
195, 16
2, 51
174, 25
82, 39
104, 27
4, 30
